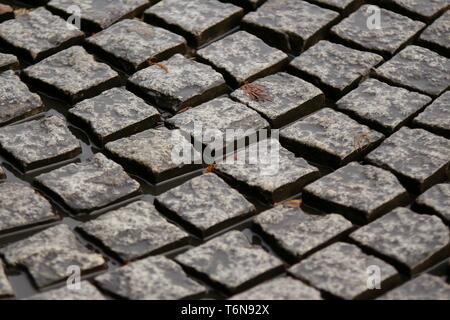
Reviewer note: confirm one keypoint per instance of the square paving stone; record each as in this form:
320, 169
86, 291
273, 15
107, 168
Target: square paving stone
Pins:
342, 270
8, 61
205, 204
72, 74
417, 69
151, 154
334, 67
38, 143
268, 170
133, 44
200, 21
164, 280
86, 292
436, 117
437, 35
21, 206
6, 12
427, 10
38, 34
298, 233
361, 192
414, 240
6, 289
330, 137
231, 262
420, 159
436, 200
284, 288
16, 100
89, 185
135, 231
396, 31
242, 57
290, 25
178, 83
113, 114
96, 15
281, 98
381, 106
424, 287
48, 254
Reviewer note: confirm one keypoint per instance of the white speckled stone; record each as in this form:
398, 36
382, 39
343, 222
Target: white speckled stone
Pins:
6, 289
89, 185
436, 117
8, 61
425, 9
163, 280
86, 292
437, 199
231, 261
48, 254
438, 34
342, 270
412, 239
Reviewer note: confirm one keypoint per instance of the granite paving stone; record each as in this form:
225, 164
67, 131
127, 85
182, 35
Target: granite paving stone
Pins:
8, 61
342, 270
284, 288
205, 204
361, 192
133, 45
89, 185
21, 206
135, 231
297, 233
153, 154
243, 57
6, 289
38, 34
417, 69
6, 12
426, 10
72, 74
96, 15
178, 83
414, 240
336, 68
86, 292
280, 98
381, 106
420, 159
114, 114
437, 35
290, 25
164, 280
267, 170
436, 117
231, 261
436, 200
424, 287
48, 254
330, 137
200, 21
40, 142
16, 100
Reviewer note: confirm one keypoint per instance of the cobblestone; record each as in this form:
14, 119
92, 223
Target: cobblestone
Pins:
8, 61
437, 200
436, 117
86, 292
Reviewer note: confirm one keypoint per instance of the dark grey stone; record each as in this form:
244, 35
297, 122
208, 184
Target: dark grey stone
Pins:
291, 25
38, 34
205, 204
421, 159
436, 117
437, 35
113, 114
86, 292
243, 57
133, 44
200, 21
178, 83
384, 107
231, 261
414, 240
135, 231
8, 61
427, 10
72, 74
48, 255
154, 278
280, 98
329, 137
298, 233
437, 200
40, 142
417, 69
16, 100
89, 185
6, 289
361, 192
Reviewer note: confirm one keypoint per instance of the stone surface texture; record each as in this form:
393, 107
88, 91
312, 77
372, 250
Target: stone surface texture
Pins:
437, 199
6, 289
436, 117
86, 292
424, 287
438, 33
